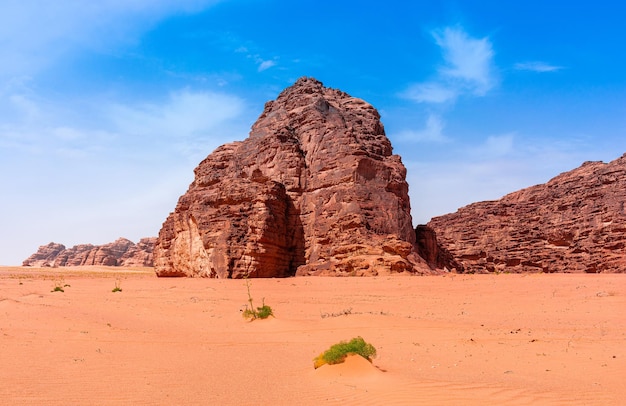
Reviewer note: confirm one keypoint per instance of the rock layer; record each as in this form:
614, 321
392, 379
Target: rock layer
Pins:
122, 252
314, 189
576, 222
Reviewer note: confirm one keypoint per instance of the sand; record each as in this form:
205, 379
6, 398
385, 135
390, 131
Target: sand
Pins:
557, 339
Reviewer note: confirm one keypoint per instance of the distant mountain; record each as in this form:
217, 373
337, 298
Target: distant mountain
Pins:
122, 252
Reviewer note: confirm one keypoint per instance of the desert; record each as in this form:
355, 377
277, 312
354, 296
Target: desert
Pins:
441, 223
517, 339
519, 301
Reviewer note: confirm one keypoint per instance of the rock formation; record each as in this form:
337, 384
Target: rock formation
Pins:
314, 189
576, 222
429, 248
45, 255
122, 252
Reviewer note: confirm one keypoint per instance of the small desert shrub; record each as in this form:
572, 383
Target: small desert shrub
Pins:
59, 286
262, 312
117, 287
252, 313
337, 353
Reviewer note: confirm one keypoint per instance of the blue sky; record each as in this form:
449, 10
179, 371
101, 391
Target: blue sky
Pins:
106, 107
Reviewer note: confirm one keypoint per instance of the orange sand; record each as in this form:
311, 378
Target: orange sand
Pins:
454, 339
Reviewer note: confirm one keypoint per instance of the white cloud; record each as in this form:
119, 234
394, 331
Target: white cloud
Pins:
264, 65
432, 132
537, 66
184, 114
35, 125
468, 69
35, 33
431, 92
467, 59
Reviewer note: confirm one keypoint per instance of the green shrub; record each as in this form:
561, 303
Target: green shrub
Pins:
117, 287
59, 286
250, 312
264, 311
337, 353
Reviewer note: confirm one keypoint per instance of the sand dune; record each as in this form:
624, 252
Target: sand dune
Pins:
457, 339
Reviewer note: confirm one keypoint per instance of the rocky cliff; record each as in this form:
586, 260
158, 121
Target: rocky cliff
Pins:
122, 252
314, 189
576, 222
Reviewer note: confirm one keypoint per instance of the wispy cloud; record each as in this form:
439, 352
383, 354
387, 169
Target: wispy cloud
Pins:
537, 66
432, 132
184, 113
192, 122
469, 60
264, 65
49, 30
468, 68
431, 92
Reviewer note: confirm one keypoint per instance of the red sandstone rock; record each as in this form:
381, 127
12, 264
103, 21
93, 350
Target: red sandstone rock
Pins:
139, 254
431, 250
574, 223
45, 255
314, 189
122, 252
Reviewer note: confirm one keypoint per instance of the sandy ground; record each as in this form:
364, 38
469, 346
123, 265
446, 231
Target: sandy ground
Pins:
555, 339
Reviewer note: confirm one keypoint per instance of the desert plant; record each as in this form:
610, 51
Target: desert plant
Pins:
117, 287
250, 312
59, 286
337, 353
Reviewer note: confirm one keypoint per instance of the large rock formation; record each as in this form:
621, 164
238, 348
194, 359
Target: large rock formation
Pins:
314, 189
122, 252
574, 223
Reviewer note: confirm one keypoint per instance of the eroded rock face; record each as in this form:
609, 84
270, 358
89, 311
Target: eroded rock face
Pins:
574, 223
314, 189
45, 255
429, 248
121, 252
